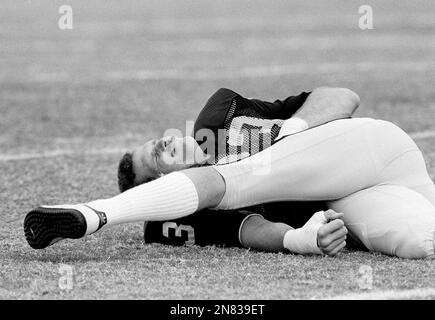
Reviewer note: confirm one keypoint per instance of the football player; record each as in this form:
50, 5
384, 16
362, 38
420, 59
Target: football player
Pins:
369, 169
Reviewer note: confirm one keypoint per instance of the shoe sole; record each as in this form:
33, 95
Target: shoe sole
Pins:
45, 226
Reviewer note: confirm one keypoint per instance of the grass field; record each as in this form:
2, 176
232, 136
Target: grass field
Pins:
72, 101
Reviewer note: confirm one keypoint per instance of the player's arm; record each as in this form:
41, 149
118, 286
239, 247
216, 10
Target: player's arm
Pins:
264, 235
323, 233
321, 106
317, 107
327, 104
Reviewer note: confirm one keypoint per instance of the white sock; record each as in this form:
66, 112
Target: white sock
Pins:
170, 197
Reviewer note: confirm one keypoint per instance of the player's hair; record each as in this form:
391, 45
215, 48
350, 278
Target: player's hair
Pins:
126, 173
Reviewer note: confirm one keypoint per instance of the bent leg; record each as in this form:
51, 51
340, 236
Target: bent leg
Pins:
390, 219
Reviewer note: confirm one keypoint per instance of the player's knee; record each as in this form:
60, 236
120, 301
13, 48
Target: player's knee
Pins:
412, 243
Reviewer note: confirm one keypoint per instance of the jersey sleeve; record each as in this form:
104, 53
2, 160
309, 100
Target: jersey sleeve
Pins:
225, 104
209, 126
280, 109
204, 228
214, 113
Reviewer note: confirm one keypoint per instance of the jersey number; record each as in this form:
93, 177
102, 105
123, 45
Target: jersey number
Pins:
178, 229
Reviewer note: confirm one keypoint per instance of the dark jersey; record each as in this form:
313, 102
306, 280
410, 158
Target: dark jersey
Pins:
205, 227
241, 127
236, 115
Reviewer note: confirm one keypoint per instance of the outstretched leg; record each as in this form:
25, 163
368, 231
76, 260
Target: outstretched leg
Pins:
172, 196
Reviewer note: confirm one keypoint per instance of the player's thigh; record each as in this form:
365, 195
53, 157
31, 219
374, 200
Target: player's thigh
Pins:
410, 170
399, 159
391, 219
324, 163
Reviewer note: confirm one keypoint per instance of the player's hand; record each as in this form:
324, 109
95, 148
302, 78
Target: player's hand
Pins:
331, 236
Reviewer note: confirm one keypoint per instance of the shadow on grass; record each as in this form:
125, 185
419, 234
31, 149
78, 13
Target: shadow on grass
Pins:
91, 249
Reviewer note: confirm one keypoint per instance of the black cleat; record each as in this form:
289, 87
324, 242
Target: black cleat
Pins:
45, 226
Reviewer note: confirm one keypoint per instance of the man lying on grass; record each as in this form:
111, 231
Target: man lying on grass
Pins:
303, 149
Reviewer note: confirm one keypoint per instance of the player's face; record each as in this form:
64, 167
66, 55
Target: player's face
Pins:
165, 155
